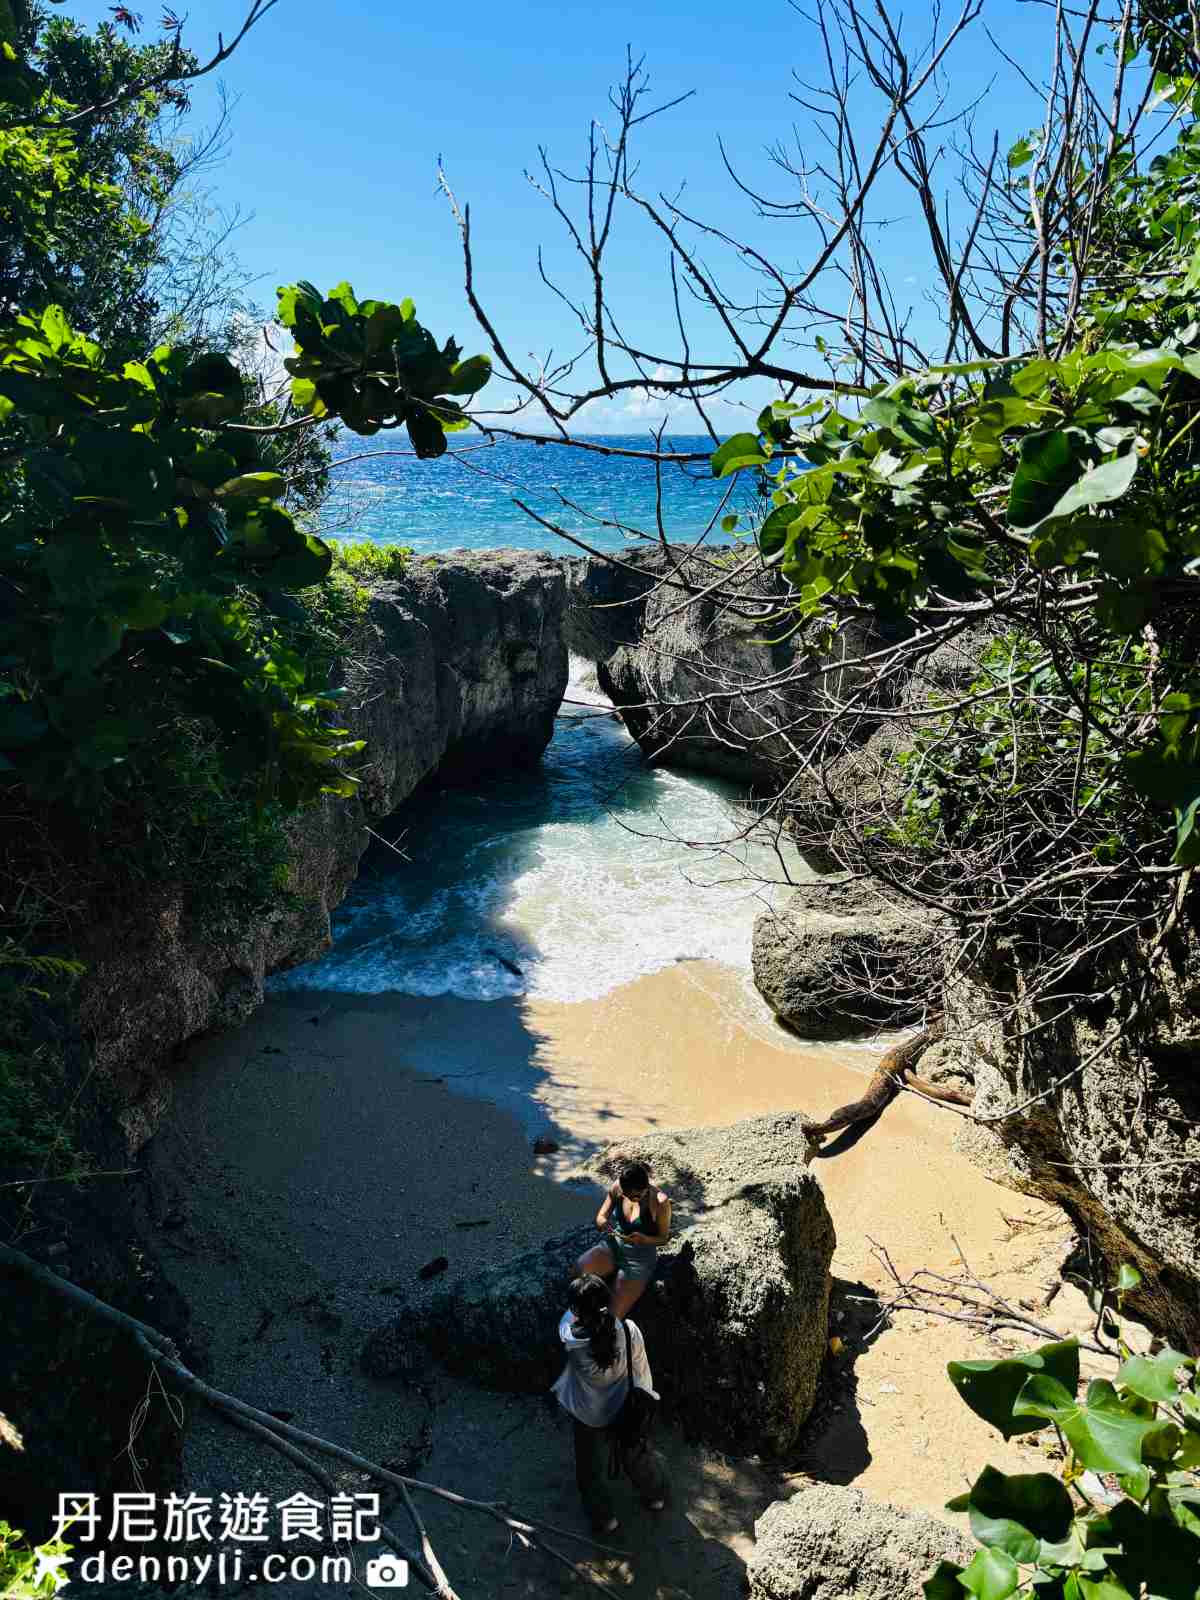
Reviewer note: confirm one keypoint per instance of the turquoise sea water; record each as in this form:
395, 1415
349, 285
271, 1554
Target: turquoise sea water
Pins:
583, 874
470, 498
563, 882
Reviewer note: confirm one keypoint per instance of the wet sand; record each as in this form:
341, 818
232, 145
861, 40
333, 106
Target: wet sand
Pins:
325, 1152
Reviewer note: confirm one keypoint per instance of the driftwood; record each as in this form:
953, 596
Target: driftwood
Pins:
966, 1298
163, 1357
893, 1073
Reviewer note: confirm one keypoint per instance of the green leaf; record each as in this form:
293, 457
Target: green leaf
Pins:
137, 372
968, 550
80, 644
992, 1575
743, 450
468, 377
944, 1584
1033, 376
207, 467
343, 295
1015, 1513
1136, 1484
1154, 1557
1128, 1277
1183, 1500
1020, 154
772, 536
1131, 547
991, 1388
1168, 780
1153, 1377
1109, 481
1103, 1430
1187, 835
305, 397
1050, 463
253, 486
1106, 1588
297, 301
136, 604
56, 328
211, 391
306, 563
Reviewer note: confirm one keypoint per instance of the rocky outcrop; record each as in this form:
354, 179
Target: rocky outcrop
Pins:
834, 1543
735, 1322
704, 682
840, 959
458, 670
1108, 1130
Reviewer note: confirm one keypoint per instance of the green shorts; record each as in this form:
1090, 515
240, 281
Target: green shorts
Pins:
634, 1260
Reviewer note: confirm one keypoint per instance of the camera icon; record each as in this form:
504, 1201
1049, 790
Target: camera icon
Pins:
387, 1572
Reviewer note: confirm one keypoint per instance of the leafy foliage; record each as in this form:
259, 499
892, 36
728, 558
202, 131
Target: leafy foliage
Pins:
82, 218
1042, 1535
149, 549
374, 366
37, 1129
1075, 474
22, 1575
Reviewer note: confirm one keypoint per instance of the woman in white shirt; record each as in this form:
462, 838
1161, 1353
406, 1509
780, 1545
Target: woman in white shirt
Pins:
593, 1389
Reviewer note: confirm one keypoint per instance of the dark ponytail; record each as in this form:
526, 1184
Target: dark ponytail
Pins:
590, 1301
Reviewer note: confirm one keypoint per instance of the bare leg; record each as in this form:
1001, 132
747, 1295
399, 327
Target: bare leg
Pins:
626, 1293
599, 1259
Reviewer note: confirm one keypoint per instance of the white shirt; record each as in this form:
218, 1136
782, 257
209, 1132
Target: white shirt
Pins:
594, 1394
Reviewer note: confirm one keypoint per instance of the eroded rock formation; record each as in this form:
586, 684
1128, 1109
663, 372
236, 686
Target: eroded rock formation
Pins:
735, 1323
841, 958
702, 683
1109, 1131
831, 1542
456, 670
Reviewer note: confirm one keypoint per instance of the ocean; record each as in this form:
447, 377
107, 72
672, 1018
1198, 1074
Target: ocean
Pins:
566, 881
470, 498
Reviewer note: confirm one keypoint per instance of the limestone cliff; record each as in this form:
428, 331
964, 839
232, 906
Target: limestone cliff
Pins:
456, 670
702, 683
1111, 1134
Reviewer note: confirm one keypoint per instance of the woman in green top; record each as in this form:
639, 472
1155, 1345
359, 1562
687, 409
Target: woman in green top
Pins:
636, 1216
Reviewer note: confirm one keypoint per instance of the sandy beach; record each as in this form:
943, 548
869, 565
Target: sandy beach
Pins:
317, 1158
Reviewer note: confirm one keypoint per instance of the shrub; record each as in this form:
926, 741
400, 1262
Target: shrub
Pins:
1046, 1535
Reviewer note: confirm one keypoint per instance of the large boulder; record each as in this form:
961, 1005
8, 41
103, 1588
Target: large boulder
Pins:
456, 669
839, 959
735, 1322
831, 1542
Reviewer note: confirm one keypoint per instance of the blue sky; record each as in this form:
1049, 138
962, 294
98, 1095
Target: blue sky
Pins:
342, 110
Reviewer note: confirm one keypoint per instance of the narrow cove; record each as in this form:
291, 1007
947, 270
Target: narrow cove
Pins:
379, 1114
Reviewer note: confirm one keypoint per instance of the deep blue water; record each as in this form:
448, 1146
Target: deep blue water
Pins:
469, 497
